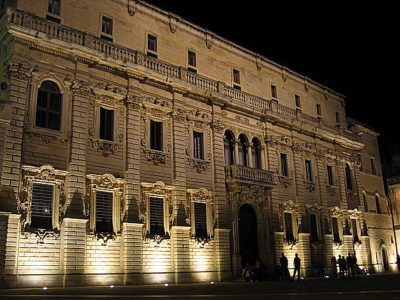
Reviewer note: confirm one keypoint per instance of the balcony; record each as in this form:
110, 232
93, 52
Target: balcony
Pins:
246, 175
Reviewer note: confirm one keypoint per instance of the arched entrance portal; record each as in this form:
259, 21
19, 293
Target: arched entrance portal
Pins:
248, 243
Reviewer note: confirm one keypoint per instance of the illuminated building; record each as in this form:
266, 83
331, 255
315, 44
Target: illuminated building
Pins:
137, 147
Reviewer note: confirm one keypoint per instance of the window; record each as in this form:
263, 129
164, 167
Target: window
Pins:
330, 175
53, 11
106, 124
200, 219
378, 205
236, 79
156, 212
335, 230
314, 227
156, 135
198, 151
243, 150
308, 170
365, 202
229, 149
337, 116
42, 206
104, 212
355, 230
318, 110
48, 109
274, 92
289, 227
107, 28
152, 46
373, 169
349, 183
284, 167
297, 99
192, 61
256, 153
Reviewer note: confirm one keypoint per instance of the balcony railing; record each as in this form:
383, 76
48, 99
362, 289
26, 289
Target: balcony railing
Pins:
35, 25
237, 173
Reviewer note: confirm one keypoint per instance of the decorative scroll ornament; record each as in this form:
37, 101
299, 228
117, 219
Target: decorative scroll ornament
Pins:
157, 157
22, 71
131, 8
285, 181
218, 125
173, 23
209, 40
42, 234
103, 238
309, 185
199, 164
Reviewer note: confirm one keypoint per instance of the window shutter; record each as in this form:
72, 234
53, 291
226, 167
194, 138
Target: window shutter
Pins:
157, 216
42, 206
289, 227
200, 219
335, 230
104, 211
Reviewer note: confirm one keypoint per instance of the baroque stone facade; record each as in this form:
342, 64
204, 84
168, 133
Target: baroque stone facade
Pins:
137, 147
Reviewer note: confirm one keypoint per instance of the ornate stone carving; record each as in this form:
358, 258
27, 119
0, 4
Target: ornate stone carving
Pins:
80, 87
330, 190
160, 190
22, 71
173, 23
199, 164
44, 174
41, 235
309, 185
285, 181
218, 125
157, 157
203, 196
131, 8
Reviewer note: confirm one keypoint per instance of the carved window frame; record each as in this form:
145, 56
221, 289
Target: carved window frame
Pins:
110, 101
105, 183
197, 125
153, 112
66, 97
106, 36
54, 17
150, 52
161, 191
355, 215
290, 207
201, 195
336, 213
192, 68
317, 211
42, 175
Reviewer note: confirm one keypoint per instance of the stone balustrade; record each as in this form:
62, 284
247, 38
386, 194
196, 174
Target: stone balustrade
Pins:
126, 55
249, 175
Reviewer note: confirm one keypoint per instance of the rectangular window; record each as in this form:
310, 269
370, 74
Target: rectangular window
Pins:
200, 219
274, 92
308, 170
289, 227
107, 28
297, 99
198, 151
314, 227
192, 64
152, 46
337, 116
236, 79
54, 7
318, 110
156, 212
104, 211
354, 229
373, 169
42, 206
330, 175
284, 167
106, 124
48, 110
156, 135
335, 230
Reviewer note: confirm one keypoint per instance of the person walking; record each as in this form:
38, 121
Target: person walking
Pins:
333, 268
284, 266
296, 263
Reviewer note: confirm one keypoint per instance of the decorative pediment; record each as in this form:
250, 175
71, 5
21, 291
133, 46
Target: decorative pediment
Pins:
288, 206
106, 181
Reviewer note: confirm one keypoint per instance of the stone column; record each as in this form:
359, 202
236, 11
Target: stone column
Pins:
305, 254
236, 152
250, 155
11, 250
131, 252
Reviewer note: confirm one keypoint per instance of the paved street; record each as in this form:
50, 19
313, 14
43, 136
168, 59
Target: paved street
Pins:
373, 287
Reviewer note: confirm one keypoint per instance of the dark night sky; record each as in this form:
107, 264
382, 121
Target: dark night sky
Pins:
349, 49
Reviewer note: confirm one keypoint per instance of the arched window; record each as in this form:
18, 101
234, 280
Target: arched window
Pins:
349, 182
256, 153
243, 150
229, 148
378, 205
48, 107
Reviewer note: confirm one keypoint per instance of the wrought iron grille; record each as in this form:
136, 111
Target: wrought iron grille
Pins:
157, 216
200, 219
